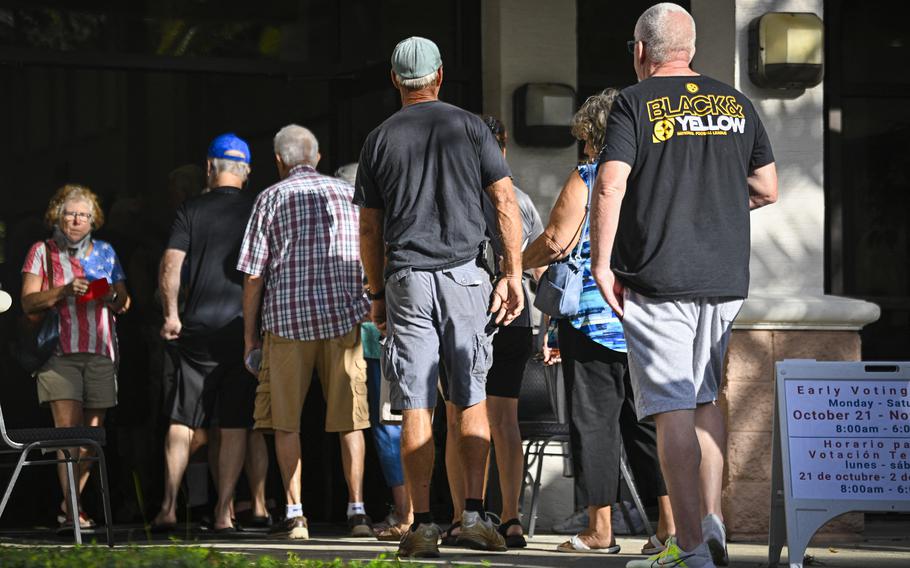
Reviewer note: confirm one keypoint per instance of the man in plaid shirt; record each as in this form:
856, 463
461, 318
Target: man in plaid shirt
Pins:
301, 258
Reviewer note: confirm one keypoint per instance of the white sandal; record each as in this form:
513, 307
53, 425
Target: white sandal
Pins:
654, 546
575, 544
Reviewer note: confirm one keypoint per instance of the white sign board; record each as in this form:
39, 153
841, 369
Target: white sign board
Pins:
841, 443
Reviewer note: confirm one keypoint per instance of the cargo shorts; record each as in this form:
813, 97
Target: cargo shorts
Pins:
438, 318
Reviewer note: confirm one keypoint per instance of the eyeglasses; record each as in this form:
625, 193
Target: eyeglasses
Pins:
72, 216
630, 45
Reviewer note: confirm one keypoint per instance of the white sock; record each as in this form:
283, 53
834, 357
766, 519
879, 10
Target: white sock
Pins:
356, 509
294, 511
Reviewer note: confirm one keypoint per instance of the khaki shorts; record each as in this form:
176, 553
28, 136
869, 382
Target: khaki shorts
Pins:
86, 377
286, 373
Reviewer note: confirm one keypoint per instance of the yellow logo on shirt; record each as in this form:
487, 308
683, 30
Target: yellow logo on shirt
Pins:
663, 130
692, 88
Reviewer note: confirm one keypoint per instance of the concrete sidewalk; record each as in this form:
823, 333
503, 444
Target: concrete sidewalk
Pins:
889, 551
542, 552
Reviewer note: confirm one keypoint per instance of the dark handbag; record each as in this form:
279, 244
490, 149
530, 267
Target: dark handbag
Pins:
559, 289
38, 339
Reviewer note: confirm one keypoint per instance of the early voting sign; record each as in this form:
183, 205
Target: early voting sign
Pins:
841, 443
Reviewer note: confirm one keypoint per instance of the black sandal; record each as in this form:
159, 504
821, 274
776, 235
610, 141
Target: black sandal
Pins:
513, 540
449, 539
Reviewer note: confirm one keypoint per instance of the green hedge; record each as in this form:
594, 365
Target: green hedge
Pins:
167, 557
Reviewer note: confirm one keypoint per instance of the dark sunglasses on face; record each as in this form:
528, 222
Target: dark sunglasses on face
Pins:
630, 45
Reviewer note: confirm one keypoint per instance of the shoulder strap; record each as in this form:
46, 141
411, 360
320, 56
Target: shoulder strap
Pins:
586, 177
48, 266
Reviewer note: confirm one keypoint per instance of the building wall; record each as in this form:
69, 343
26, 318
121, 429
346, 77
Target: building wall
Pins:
528, 41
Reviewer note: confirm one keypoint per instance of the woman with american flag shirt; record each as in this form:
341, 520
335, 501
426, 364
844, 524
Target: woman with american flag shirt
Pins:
86, 286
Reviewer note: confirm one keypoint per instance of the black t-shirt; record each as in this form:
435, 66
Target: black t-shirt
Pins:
209, 228
427, 166
684, 224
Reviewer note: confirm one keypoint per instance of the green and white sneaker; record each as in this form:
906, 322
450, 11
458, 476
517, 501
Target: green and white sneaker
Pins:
675, 557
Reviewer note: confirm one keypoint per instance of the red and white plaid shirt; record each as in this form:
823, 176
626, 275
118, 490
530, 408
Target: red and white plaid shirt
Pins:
304, 237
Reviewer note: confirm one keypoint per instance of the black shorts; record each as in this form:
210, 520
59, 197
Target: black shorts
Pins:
208, 384
512, 347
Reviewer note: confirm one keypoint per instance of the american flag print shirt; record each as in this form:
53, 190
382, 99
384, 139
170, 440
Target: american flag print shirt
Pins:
85, 327
303, 238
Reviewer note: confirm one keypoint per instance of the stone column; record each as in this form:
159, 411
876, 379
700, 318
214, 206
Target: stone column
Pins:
787, 315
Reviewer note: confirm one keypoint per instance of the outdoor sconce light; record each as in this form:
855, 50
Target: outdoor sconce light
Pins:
786, 50
542, 114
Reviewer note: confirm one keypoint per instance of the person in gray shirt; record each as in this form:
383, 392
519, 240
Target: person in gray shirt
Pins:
420, 183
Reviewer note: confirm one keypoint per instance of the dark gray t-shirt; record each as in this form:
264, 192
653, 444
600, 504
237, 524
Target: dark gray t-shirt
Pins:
427, 166
531, 228
683, 229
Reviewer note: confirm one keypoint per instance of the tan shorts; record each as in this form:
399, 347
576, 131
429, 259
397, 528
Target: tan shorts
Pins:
87, 377
286, 373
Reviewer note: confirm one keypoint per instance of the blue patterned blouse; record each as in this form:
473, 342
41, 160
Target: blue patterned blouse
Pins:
595, 318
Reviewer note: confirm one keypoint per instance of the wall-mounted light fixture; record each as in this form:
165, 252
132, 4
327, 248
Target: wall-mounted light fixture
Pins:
542, 114
786, 50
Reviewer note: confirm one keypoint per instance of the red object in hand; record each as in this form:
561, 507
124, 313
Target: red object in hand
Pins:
97, 290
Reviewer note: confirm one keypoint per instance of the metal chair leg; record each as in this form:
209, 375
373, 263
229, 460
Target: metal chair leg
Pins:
535, 494
105, 496
12, 482
524, 477
630, 483
74, 501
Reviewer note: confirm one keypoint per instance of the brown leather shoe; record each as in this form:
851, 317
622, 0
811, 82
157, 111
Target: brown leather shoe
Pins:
422, 543
292, 529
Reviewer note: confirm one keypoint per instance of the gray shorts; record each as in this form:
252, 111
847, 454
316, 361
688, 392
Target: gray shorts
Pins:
676, 349
435, 317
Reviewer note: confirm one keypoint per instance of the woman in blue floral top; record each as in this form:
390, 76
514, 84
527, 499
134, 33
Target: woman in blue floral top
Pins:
593, 350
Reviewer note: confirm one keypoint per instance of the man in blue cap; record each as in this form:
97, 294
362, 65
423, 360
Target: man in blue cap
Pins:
205, 339
420, 187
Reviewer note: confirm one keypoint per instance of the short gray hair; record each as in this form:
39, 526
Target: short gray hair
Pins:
418, 83
225, 165
296, 145
666, 29
590, 122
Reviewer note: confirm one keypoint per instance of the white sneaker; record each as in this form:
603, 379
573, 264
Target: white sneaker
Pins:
715, 536
573, 524
675, 557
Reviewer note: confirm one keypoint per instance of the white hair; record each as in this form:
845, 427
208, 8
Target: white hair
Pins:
296, 145
665, 33
347, 172
418, 83
235, 167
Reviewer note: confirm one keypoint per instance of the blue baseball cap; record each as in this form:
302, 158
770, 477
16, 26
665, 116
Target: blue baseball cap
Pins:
415, 57
230, 147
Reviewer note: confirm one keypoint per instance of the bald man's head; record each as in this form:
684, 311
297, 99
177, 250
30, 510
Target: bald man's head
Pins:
667, 32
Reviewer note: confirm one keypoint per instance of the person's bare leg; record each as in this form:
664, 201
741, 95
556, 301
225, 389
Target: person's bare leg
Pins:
711, 429
599, 533
474, 447
177, 444
287, 450
66, 414
665, 525
256, 467
454, 469
353, 450
231, 450
417, 454
403, 510
680, 459
503, 413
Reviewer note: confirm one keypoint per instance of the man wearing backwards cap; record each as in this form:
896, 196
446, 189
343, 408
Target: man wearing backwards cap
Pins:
205, 338
420, 185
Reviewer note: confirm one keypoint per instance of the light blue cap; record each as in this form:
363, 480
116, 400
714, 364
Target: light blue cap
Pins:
415, 57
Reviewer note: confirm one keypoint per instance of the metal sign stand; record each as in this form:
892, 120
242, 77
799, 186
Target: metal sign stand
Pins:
863, 418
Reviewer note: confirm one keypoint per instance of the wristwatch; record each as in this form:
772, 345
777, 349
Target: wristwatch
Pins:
380, 295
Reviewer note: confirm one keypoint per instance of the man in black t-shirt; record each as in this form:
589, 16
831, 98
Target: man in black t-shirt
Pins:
684, 161
419, 184
205, 338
